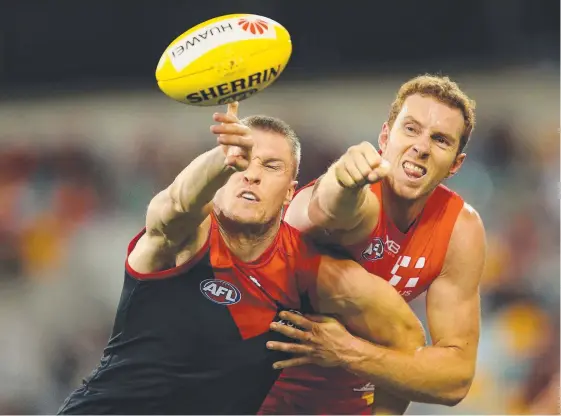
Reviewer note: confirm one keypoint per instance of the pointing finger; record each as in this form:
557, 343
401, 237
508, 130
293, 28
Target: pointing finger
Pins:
233, 109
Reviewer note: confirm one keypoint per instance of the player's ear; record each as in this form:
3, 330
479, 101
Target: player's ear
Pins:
458, 162
290, 192
383, 137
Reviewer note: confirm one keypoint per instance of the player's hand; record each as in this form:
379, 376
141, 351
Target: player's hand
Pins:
234, 137
322, 341
361, 165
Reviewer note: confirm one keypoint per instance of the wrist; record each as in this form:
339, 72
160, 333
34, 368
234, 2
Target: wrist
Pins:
218, 161
353, 354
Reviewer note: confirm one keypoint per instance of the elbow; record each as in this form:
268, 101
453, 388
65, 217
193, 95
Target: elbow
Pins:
409, 336
454, 396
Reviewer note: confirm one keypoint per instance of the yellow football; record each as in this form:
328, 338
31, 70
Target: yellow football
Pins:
225, 59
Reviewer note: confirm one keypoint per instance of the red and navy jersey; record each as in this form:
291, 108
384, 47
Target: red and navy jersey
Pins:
408, 261
191, 340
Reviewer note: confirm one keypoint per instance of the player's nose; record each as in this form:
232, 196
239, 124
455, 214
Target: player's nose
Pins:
252, 175
422, 145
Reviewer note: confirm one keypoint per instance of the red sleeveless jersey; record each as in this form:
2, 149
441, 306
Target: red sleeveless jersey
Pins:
410, 262
192, 339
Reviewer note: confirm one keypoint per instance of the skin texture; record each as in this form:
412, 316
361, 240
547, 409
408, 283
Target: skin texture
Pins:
261, 162
341, 210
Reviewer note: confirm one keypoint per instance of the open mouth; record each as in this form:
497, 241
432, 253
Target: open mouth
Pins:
249, 196
414, 171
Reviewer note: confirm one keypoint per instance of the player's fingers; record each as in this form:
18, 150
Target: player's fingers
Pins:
291, 332
296, 319
379, 172
239, 163
225, 118
233, 109
291, 348
354, 172
230, 128
293, 362
372, 156
233, 140
362, 165
344, 178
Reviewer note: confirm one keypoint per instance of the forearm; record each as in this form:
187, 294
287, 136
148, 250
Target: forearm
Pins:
386, 403
432, 374
334, 206
197, 184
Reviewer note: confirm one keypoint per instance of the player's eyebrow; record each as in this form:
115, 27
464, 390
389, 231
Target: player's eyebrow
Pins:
412, 120
447, 136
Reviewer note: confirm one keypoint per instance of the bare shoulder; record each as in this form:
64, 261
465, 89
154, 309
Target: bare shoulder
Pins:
467, 249
468, 230
153, 251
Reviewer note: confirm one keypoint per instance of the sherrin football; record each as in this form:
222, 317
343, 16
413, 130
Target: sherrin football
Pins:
225, 59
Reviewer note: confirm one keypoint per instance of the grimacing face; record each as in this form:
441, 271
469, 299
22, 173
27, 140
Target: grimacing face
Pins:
422, 146
256, 196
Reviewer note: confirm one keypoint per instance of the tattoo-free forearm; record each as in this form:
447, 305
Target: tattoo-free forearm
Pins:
333, 206
197, 184
431, 374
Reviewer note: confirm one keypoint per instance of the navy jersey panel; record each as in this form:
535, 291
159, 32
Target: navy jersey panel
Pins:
175, 351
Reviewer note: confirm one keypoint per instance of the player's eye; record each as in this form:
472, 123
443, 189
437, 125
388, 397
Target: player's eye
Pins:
410, 129
273, 166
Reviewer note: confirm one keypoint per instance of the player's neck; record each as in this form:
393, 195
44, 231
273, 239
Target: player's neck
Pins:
402, 212
248, 243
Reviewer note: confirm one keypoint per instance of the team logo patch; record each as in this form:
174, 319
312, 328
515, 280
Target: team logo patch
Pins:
366, 387
221, 292
374, 251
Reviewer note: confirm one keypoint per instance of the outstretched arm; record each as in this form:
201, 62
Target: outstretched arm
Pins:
176, 216
340, 208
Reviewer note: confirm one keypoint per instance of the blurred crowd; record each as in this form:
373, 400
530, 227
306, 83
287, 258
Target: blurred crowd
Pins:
68, 211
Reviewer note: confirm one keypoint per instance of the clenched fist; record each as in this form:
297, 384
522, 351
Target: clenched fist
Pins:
360, 165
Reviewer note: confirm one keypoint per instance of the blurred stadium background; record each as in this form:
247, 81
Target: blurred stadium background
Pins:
86, 139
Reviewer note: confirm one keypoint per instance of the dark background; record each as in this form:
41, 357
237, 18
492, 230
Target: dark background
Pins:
116, 42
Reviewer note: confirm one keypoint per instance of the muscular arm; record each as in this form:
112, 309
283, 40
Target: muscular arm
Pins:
371, 309
346, 214
177, 218
366, 304
441, 373
175, 215
341, 206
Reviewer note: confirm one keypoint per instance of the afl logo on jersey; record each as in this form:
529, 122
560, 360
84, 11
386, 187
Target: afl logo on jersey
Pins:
221, 292
374, 251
